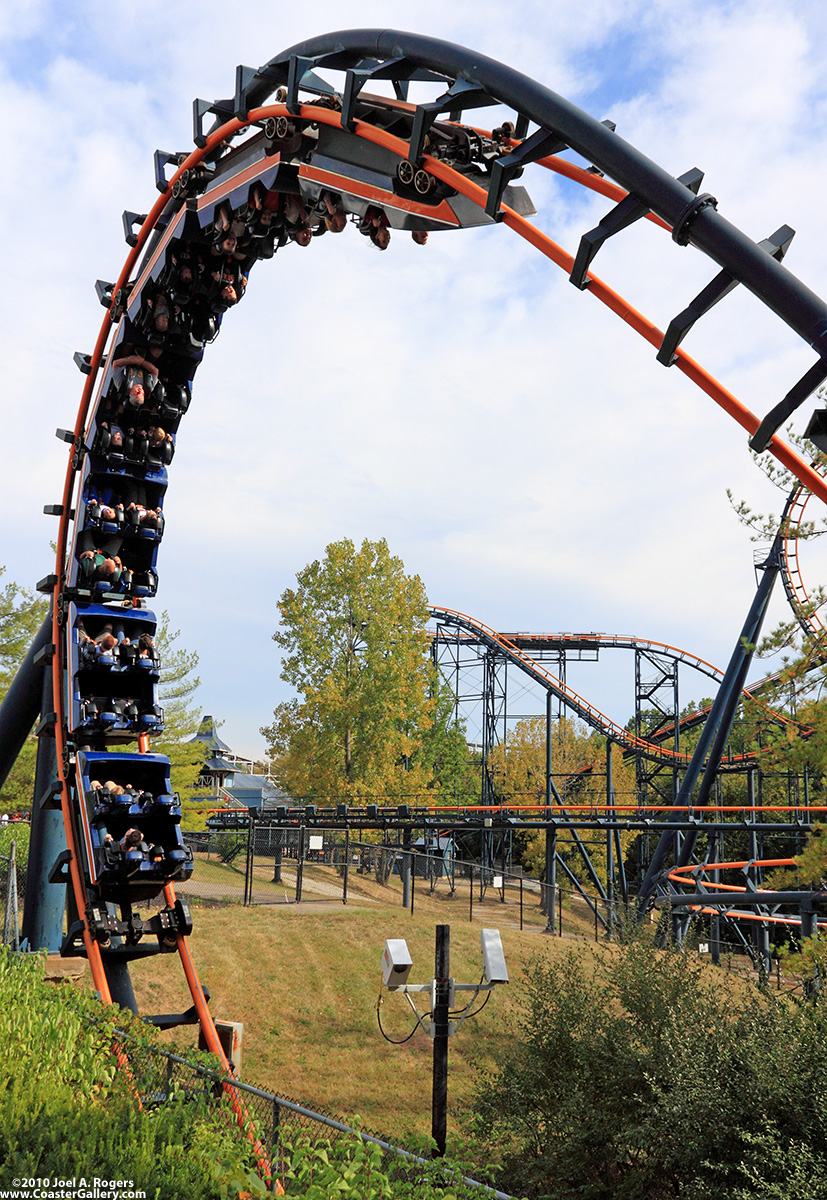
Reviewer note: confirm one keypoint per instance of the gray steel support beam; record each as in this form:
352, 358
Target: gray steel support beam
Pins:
717, 728
45, 902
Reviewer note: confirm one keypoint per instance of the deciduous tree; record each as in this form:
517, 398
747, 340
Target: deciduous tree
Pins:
354, 648
21, 615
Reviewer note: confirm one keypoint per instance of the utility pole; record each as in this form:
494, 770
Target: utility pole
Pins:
442, 999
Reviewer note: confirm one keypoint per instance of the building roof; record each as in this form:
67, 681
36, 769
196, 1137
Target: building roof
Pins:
257, 790
217, 765
207, 735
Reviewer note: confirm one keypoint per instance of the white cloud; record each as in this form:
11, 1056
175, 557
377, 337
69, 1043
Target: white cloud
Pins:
519, 448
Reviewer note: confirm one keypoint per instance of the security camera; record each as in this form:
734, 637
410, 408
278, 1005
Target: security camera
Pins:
396, 962
493, 956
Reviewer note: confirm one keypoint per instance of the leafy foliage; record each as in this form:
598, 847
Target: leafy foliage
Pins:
354, 643
65, 1108
21, 615
175, 694
578, 763
635, 1075
354, 1170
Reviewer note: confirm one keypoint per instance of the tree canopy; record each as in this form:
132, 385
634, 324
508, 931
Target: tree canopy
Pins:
21, 615
579, 769
355, 649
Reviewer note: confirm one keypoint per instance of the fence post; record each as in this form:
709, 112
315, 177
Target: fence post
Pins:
407, 867
347, 866
521, 902
248, 866
277, 857
300, 864
471, 893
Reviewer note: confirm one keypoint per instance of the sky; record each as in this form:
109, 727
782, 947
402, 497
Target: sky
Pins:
520, 449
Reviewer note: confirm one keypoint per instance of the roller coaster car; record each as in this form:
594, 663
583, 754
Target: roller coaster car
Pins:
112, 565
365, 174
112, 671
132, 844
149, 449
121, 504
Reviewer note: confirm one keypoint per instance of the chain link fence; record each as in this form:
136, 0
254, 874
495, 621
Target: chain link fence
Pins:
263, 864
10, 897
277, 1120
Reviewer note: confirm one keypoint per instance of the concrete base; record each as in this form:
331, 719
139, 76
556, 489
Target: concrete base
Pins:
64, 970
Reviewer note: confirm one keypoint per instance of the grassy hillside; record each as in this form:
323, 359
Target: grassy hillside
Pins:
305, 981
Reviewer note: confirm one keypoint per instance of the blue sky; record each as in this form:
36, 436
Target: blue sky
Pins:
519, 448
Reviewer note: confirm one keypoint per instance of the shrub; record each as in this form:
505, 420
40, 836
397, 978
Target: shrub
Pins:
640, 1076
66, 1109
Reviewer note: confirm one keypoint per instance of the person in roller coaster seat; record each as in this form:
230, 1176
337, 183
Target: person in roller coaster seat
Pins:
110, 438
140, 379
330, 208
296, 220
374, 225
146, 646
106, 640
420, 236
98, 510
96, 566
160, 444
131, 840
262, 211
147, 518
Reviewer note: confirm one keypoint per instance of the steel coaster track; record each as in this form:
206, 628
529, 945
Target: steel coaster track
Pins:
759, 897
513, 648
216, 172
536, 642
805, 608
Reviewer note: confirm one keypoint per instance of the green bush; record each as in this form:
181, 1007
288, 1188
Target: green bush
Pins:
643, 1076
18, 832
350, 1169
67, 1108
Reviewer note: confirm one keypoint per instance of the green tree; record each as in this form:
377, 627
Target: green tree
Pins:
176, 693
444, 749
21, 615
354, 648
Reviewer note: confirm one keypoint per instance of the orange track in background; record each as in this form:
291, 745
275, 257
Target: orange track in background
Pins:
678, 875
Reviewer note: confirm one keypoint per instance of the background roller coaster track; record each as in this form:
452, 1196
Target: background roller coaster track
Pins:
516, 648
700, 901
640, 189
805, 607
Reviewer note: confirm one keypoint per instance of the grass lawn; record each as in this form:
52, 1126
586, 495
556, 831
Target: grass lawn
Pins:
305, 980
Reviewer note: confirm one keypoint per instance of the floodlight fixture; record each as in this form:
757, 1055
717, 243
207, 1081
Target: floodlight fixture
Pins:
493, 956
396, 962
